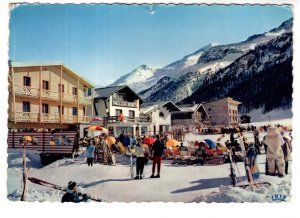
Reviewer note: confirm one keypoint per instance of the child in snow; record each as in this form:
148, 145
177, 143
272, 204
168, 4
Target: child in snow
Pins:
275, 156
72, 195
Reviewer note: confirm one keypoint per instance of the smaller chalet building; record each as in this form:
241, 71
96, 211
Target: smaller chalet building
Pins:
159, 115
119, 106
190, 118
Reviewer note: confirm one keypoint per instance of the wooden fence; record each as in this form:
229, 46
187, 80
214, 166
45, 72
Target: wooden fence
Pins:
44, 139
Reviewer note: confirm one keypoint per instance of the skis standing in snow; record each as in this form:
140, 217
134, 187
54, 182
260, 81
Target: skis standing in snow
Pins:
232, 169
252, 158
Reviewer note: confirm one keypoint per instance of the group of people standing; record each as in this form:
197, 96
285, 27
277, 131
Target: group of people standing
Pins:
143, 153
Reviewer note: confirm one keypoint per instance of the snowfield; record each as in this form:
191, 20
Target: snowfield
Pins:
178, 183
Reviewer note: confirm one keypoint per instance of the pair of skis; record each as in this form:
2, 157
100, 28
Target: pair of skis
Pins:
251, 182
57, 187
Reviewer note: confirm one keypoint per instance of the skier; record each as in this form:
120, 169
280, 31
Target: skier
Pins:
139, 151
90, 152
157, 152
275, 156
72, 195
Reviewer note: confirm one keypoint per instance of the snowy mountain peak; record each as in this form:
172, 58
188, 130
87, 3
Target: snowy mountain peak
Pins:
133, 79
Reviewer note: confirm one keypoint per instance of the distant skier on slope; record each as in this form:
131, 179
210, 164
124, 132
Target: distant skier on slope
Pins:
72, 194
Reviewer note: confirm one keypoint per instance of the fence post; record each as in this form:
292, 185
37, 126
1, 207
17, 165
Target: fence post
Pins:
43, 140
13, 139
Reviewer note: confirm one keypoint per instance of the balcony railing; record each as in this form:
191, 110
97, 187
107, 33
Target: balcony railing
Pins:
116, 119
48, 94
51, 118
120, 103
26, 117
32, 117
27, 91
86, 100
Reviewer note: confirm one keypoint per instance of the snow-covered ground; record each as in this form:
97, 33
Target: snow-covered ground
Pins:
178, 183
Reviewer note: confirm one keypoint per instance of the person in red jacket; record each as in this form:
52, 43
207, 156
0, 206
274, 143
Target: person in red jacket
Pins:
157, 153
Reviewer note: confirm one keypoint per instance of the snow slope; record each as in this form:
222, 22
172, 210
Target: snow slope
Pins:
178, 183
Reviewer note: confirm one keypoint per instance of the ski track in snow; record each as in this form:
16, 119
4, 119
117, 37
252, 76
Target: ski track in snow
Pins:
178, 183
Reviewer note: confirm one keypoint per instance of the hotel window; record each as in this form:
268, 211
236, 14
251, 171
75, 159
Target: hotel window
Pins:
26, 81
74, 111
26, 106
62, 88
74, 91
89, 92
62, 112
118, 112
131, 113
45, 108
45, 85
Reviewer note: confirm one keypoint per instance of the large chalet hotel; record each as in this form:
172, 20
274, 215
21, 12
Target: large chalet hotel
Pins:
52, 96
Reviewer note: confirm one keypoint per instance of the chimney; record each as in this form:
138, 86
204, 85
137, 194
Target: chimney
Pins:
194, 103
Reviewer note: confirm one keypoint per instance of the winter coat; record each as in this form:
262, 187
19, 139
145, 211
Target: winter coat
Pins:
158, 148
71, 196
287, 149
126, 141
139, 151
275, 156
90, 151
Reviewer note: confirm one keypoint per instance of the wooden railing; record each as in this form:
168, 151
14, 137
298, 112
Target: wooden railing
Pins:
33, 117
50, 118
27, 91
114, 119
69, 119
48, 94
86, 100
26, 117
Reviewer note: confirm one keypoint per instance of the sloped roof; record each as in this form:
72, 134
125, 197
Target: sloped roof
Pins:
188, 107
149, 107
191, 108
51, 64
105, 92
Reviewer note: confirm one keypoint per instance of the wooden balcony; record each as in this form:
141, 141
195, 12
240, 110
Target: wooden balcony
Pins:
120, 103
115, 119
50, 95
32, 117
26, 91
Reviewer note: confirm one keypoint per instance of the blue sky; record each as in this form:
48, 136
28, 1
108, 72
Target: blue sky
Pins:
104, 42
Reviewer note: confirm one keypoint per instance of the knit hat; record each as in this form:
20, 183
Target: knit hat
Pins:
71, 185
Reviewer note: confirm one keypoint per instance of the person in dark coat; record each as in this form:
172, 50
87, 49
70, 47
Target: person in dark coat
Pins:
157, 153
72, 194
